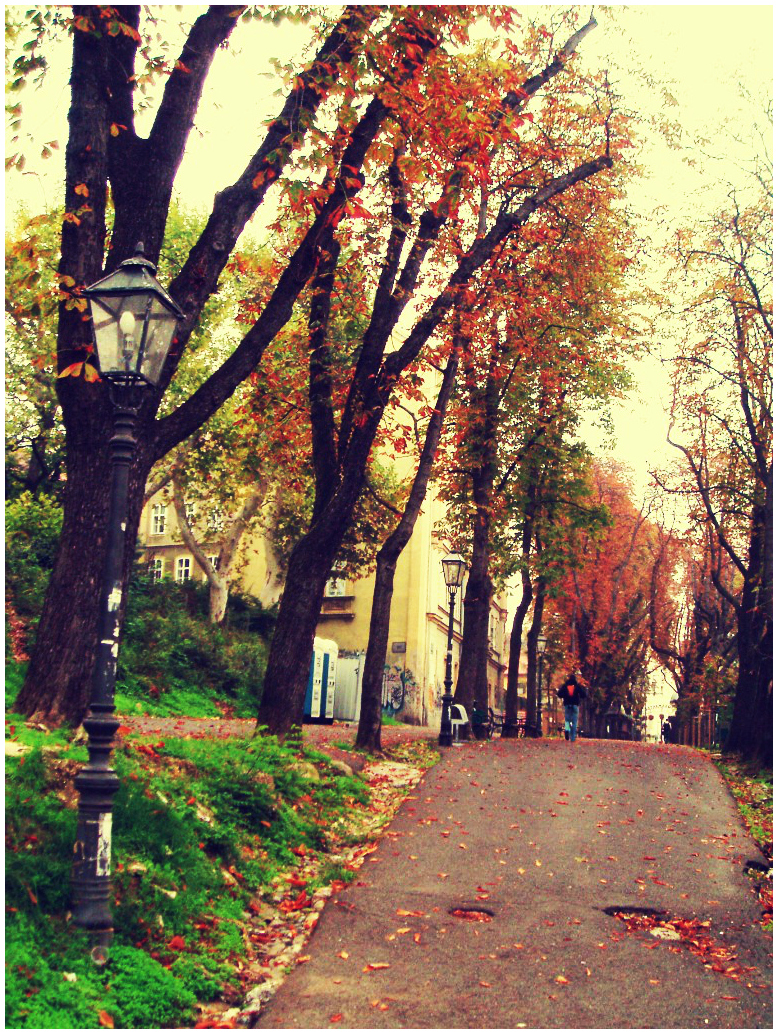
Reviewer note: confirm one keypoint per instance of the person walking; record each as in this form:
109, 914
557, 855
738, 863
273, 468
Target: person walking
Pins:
571, 693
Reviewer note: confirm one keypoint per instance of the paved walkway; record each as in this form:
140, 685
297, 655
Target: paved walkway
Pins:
489, 902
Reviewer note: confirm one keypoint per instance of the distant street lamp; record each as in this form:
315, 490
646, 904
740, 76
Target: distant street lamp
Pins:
540, 649
134, 320
454, 568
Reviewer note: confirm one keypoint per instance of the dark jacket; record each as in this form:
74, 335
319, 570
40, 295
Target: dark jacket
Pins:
578, 694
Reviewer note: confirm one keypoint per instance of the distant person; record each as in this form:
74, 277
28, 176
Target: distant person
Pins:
666, 731
571, 693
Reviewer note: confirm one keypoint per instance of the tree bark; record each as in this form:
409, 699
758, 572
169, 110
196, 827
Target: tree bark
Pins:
472, 684
58, 683
510, 725
532, 657
751, 730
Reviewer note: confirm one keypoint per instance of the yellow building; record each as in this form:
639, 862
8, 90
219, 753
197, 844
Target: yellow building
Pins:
418, 630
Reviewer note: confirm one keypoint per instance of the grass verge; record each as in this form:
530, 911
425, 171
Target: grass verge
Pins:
752, 789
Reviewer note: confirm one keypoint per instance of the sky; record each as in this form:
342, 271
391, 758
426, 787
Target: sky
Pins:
699, 50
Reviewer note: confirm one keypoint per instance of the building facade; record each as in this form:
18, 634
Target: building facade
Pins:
418, 630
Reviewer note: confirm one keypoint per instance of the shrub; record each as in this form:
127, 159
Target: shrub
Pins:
146, 995
38, 995
40, 834
32, 530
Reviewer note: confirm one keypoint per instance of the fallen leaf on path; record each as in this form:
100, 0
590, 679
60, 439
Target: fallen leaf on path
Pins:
375, 965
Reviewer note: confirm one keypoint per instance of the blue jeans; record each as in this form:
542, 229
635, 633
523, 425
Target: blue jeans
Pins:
571, 719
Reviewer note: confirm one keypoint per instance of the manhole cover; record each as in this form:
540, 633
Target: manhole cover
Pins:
473, 915
633, 910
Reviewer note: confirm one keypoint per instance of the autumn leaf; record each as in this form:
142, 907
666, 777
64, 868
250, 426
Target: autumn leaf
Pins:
106, 1020
375, 965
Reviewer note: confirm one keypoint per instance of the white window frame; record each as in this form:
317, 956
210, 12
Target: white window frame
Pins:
157, 569
183, 569
158, 518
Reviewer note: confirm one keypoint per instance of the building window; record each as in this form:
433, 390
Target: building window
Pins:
213, 561
215, 521
158, 518
190, 512
157, 569
183, 569
336, 586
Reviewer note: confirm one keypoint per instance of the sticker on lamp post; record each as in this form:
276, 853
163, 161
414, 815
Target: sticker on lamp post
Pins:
104, 824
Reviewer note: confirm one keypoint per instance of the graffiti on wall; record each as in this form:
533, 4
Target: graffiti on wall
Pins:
398, 689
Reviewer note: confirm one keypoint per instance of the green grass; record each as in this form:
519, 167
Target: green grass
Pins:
753, 791
188, 813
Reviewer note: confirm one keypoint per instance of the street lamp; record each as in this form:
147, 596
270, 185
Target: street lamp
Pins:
540, 648
133, 320
454, 568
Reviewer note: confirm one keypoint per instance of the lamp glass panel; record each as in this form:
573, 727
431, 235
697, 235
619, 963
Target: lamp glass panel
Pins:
454, 567
108, 338
159, 336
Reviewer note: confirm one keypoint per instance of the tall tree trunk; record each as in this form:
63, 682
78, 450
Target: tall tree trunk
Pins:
472, 684
532, 657
510, 725
476, 616
369, 729
751, 730
57, 687
289, 662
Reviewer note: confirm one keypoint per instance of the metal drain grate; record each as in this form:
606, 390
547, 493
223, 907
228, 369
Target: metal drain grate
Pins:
634, 910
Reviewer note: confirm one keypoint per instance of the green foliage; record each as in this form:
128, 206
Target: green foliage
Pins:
146, 994
32, 530
173, 661
14, 680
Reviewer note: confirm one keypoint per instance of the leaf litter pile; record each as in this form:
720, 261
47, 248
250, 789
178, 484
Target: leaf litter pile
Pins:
692, 935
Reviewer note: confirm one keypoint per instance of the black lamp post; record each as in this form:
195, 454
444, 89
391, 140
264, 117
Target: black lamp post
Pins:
540, 649
454, 568
134, 320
